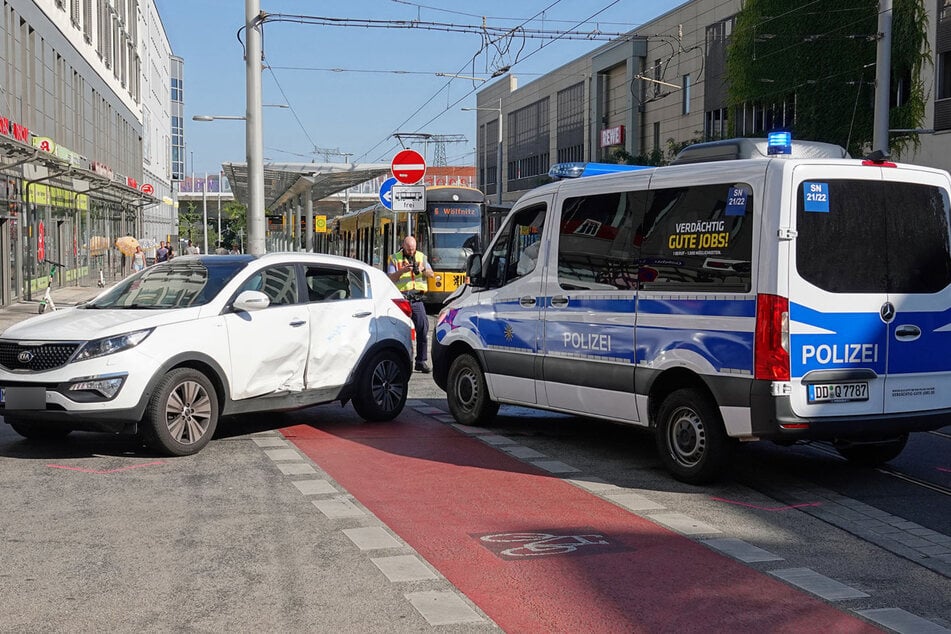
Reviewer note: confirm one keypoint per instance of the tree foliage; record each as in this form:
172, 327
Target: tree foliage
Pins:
816, 59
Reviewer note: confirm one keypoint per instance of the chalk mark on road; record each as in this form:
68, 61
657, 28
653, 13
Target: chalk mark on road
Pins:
105, 471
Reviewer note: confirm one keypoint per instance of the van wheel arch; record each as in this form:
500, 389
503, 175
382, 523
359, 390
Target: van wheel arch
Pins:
454, 351
668, 382
691, 439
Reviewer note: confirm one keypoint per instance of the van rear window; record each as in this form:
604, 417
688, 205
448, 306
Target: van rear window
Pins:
859, 236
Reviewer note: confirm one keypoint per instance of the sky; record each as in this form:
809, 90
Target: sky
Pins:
350, 87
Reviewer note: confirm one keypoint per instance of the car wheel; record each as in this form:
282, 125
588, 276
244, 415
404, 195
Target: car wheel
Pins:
47, 432
182, 414
873, 453
468, 393
382, 387
690, 437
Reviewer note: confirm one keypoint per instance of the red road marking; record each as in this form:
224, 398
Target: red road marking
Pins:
767, 508
945, 469
437, 488
105, 471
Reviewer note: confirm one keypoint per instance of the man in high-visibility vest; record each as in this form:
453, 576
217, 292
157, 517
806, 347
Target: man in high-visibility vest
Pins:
409, 269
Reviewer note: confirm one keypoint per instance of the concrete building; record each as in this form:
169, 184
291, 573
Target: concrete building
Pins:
661, 85
158, 65
72, 88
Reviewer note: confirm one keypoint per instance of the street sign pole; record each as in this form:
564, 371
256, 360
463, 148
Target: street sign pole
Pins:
408, 167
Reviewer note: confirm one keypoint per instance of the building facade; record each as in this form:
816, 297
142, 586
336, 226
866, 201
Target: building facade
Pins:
72, 138
158, 219
659, 87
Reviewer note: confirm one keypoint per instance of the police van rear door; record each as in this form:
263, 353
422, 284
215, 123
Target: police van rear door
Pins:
870, 291
918, 216
837, 291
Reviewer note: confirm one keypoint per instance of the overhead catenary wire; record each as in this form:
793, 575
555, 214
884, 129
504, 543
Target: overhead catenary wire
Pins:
436, 94
458, 101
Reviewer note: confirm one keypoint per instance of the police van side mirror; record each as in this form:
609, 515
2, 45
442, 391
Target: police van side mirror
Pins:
474, 270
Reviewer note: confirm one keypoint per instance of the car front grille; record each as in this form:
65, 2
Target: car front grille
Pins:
35, 357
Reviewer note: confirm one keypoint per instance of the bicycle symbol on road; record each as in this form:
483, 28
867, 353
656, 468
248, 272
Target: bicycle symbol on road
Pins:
541, 544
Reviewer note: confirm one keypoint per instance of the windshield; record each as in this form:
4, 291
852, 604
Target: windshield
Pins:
175, 284
450, 250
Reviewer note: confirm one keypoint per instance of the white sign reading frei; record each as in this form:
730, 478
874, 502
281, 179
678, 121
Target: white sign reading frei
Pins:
408, 197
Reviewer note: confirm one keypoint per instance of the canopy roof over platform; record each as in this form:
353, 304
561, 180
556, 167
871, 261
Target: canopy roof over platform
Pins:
285, 181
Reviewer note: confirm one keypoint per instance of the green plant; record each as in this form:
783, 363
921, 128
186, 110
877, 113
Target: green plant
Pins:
816, 60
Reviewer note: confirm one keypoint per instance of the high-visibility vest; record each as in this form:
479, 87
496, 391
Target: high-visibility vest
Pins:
407, 281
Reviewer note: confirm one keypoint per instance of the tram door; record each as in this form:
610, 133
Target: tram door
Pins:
387, 239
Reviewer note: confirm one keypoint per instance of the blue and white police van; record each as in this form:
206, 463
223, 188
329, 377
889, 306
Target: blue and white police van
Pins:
798, 295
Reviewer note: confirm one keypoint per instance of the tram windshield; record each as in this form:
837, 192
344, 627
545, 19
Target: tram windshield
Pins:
454, 230
450, 250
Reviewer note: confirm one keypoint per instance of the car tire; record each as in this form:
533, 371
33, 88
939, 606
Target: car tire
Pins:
182, 414
468, 393
690, 437
39, 431
382, 387
872, 454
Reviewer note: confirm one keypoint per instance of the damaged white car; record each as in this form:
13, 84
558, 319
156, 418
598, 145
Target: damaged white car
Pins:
168, 351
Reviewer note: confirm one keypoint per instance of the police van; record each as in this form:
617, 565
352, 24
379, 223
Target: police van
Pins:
751, 290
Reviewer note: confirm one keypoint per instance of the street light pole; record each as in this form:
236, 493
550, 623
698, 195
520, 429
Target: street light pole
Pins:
219, 207
204, 212
254, 136
498, 167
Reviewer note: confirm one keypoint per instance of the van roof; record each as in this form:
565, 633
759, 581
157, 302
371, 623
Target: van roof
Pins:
744, 148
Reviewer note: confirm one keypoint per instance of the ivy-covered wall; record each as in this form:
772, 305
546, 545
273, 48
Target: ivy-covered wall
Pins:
814, 62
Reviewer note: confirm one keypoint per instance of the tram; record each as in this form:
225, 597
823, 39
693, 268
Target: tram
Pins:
447, 231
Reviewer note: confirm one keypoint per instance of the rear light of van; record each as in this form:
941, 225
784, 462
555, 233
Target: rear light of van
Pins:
771, 340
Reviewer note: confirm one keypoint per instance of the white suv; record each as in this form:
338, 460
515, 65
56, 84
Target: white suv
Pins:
169, 350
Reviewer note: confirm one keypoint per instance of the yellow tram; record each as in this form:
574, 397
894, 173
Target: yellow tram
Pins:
447, 232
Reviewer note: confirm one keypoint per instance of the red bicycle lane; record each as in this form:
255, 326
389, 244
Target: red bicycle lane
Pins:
538, 554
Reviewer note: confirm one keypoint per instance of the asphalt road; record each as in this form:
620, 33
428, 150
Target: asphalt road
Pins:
316, 521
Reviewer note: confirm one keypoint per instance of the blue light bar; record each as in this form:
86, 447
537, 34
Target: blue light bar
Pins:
779, 143
577, 170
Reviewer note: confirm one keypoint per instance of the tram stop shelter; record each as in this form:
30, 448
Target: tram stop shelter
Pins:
291, 189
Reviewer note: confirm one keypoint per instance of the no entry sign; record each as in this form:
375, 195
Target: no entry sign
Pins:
408, 167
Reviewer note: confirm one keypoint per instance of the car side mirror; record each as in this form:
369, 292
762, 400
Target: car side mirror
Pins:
251, 300
474, 270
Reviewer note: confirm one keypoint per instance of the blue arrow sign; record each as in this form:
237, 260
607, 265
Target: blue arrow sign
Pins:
386, 192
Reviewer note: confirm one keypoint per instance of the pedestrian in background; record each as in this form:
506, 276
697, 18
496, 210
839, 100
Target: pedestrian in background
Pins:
138, 259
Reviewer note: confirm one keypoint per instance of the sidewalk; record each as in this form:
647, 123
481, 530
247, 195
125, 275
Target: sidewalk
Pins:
420, 385
62, 297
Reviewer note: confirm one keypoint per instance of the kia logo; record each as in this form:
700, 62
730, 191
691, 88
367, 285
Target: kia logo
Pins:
26, 356
887, 312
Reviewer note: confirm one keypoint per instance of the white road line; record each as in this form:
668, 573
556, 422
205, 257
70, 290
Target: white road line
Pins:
404, 568
443, 608
315, 487
372, 538
819, 585
903, 622
741, 550
683, 524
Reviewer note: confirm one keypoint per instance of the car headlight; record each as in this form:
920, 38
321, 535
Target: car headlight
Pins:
111, 345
